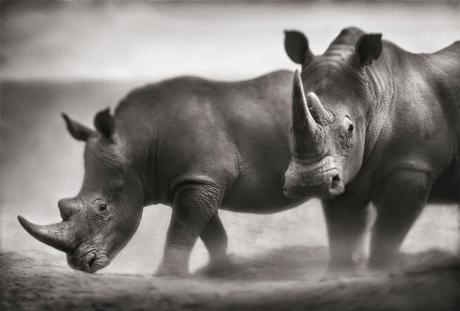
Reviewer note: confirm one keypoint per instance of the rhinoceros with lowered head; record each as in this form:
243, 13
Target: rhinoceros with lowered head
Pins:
194, 144
373, 123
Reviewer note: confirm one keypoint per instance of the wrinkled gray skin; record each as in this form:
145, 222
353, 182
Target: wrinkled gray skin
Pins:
377, 125
194, 144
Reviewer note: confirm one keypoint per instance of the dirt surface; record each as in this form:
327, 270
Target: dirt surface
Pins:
284, 279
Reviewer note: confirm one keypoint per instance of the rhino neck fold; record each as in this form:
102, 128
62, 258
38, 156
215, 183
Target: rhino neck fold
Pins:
139, 148
381, 94
147, 166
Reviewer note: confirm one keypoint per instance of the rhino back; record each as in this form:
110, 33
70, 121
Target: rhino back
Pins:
236, 133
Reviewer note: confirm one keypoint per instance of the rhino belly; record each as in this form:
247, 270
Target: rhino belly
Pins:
258, 195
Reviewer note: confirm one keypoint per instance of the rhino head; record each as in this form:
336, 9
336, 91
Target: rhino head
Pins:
329, 119
99, 221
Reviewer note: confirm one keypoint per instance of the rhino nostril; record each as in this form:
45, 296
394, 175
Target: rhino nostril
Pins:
335, 181
91, 261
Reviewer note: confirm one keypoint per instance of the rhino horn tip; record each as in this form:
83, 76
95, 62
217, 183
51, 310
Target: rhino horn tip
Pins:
54, 235
64, 116
25, 223
22, 221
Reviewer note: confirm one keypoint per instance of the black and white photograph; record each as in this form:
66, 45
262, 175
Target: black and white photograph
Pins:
226, 155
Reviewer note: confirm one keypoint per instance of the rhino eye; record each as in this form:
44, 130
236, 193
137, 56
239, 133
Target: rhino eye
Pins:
102, 207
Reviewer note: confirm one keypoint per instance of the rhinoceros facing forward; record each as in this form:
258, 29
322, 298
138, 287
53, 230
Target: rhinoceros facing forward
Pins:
194, 144
373, 123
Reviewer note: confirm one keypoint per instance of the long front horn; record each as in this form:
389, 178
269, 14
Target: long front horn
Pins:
55, 235
305, 130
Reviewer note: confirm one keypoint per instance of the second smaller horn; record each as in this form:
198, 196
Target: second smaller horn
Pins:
320, 114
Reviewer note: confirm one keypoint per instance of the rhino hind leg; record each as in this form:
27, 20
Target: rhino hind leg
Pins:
346, 219
215, 239
399, 202
194, 206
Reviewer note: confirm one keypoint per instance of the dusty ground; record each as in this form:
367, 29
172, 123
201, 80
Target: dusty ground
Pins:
284, 279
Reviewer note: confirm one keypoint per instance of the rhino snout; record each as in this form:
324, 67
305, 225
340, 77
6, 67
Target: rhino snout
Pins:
90, 262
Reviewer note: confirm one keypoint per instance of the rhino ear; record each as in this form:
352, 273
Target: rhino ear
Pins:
368, 48
105, 123
296, 46
77, 130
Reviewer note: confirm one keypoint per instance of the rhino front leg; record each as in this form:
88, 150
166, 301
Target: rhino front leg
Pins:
399, 202
346, 220
193, 207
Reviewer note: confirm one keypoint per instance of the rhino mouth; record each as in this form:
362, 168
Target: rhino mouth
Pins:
90, 262
322, 179
328, 184
98, 262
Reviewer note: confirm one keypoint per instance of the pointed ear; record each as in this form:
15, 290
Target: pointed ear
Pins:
105, 123
77, 130
296, 46
368, 48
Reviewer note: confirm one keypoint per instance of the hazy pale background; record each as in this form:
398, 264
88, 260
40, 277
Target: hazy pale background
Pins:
80, 57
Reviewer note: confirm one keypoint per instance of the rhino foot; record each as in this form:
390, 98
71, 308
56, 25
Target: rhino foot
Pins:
339, 273
169, 272
218, 268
